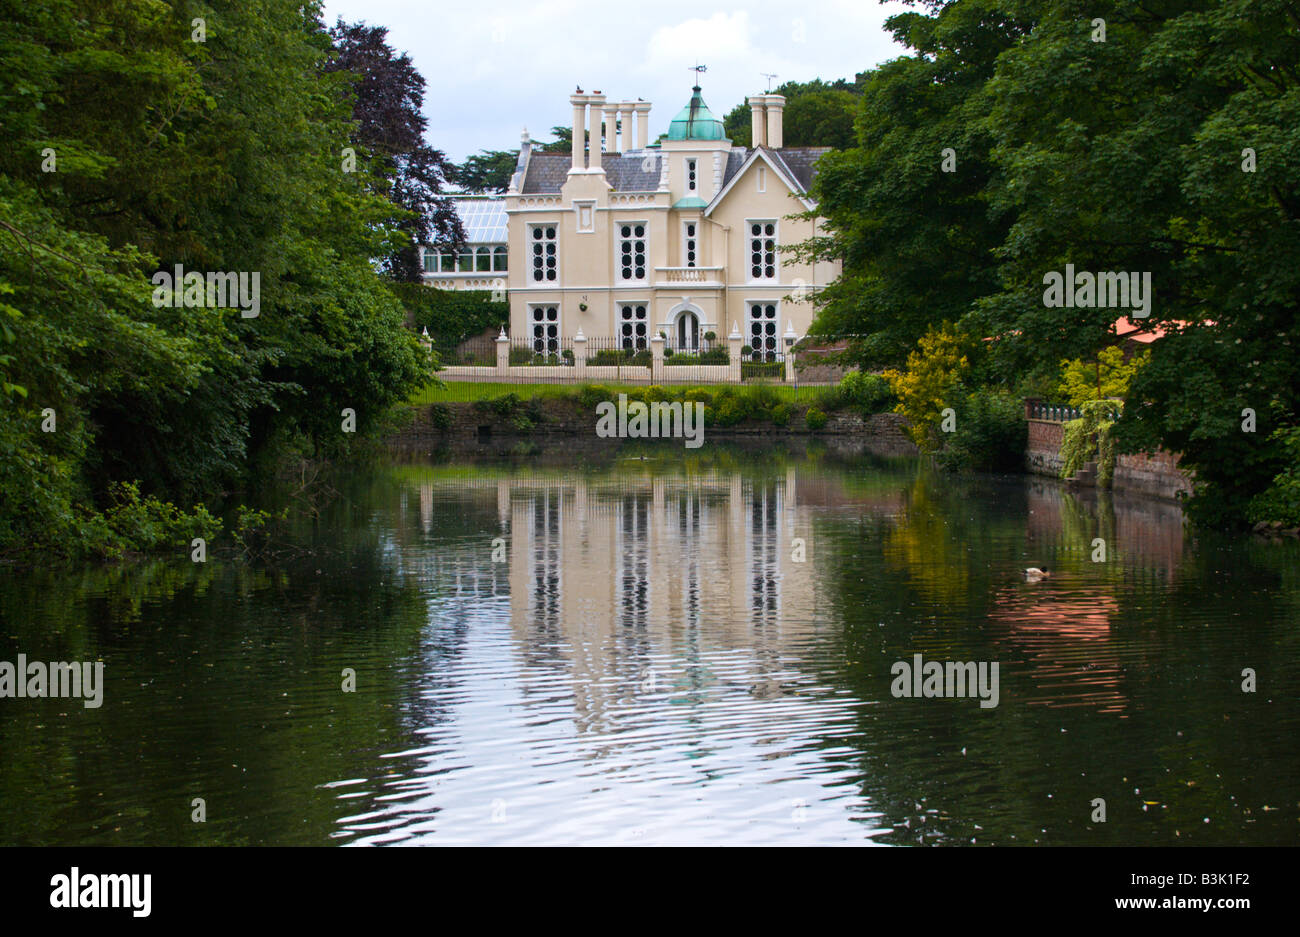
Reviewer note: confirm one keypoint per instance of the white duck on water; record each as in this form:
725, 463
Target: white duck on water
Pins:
1034, 574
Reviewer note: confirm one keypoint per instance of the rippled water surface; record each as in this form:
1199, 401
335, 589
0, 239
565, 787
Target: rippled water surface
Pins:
664, 648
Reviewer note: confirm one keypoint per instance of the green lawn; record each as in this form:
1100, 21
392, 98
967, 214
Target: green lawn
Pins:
469, 391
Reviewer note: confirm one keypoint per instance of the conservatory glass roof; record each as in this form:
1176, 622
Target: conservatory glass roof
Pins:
484, 219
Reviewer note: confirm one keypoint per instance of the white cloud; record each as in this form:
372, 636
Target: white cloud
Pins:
723, 38
494, 68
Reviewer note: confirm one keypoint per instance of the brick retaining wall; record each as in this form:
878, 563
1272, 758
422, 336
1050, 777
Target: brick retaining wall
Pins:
1155, 473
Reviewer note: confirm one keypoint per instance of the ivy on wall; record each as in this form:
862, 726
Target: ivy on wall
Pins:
1090, 438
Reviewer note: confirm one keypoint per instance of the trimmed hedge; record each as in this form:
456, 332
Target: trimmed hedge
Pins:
620, 356
772, 369
451, 316
713, 356
866, 393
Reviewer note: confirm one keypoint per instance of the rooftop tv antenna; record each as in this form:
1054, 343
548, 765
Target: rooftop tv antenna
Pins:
769, 80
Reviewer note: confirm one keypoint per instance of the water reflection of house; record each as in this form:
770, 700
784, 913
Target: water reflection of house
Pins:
456, 566
653, 572
618, 574
1063, 648
654, 552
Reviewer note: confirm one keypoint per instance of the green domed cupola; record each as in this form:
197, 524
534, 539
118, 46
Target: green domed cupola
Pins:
696, 122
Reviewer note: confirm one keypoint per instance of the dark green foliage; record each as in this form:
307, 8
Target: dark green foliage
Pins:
506, 405
440, 416
991, 433
452, 316
816, 114
732, 405
916, 242
563, 140
713, 356
485, 172
221, 156
1172, 148
610, 357
131, 523
1280, 502
865, 393
520, 415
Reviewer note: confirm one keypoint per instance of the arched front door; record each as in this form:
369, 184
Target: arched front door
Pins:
688, 331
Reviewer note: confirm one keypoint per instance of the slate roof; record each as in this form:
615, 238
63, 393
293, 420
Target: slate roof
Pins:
734, 161
547, 172
630, 173
801, 162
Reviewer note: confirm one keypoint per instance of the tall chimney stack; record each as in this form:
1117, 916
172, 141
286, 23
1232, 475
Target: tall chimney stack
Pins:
757, 120
642, 123
611, 129
775, 108
596, 111
579, 102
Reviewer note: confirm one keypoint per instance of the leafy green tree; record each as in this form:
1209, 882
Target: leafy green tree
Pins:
131, 148
816, 114
1172, 148
486, 171
1107, 375
907, 211
563, 140
929, 384
388, 100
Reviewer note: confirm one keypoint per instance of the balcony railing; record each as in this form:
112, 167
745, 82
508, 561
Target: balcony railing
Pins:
689, 274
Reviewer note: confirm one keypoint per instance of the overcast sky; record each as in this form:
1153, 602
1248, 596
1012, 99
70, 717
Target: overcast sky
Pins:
493, 68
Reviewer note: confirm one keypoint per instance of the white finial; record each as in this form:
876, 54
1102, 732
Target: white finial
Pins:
502, 336
735, 330
580, 337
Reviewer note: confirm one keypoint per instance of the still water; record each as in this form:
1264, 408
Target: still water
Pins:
650, 647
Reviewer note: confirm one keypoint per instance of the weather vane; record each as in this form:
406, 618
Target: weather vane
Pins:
698, 69
769, 79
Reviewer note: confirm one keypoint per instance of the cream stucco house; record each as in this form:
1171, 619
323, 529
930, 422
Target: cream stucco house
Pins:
625, 238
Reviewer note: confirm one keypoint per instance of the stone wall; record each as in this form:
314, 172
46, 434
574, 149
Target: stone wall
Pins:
566, 417
819, 371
